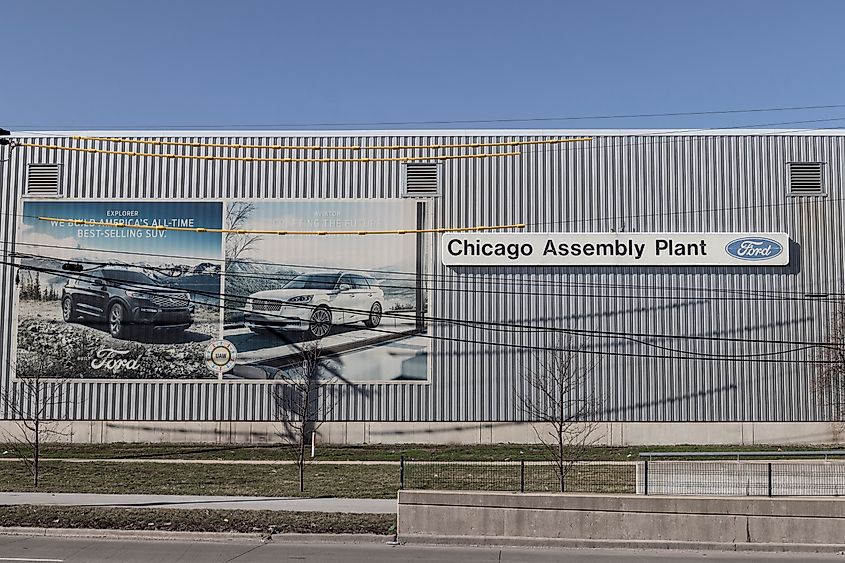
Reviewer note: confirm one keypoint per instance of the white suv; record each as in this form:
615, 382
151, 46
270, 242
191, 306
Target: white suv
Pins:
316, 302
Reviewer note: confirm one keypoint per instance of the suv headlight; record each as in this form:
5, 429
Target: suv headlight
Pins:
137, 294
301, 299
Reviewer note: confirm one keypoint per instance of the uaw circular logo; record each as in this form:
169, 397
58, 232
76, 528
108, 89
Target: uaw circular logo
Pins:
220, 356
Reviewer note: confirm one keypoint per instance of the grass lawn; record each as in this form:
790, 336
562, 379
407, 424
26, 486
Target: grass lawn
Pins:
497, 452
351, 481
537, 478
363, 481
241, 521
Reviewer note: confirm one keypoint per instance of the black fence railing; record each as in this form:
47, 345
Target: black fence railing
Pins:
521, 476
710, 473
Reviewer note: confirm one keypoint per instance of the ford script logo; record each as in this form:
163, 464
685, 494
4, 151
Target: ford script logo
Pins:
754, 248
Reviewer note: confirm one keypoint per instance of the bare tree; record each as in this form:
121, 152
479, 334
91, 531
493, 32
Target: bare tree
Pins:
558, 399
237, 216
32, 404
298, 404
831, 372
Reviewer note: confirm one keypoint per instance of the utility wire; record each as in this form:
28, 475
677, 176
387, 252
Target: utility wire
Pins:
461, 322
470, 121
746, 294
664, 137
742, 358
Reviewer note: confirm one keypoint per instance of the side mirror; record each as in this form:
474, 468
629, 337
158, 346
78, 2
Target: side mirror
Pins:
345, 287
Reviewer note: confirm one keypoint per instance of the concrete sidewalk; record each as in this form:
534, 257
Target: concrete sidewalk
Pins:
293, 504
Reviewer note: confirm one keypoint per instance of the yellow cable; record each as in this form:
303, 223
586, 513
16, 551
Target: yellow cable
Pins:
257, 232
317, 148
268, 159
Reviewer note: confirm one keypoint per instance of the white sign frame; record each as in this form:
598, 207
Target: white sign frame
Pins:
665, 249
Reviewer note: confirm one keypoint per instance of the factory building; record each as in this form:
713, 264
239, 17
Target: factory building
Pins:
162, 286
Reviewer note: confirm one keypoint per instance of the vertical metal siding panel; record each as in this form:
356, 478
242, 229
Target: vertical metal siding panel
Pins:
644, 182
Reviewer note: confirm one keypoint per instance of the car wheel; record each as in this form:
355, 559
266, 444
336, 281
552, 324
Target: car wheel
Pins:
320, 323
68, 310
117, 320
375, 315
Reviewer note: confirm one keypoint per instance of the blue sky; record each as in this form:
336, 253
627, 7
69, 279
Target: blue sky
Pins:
105, 64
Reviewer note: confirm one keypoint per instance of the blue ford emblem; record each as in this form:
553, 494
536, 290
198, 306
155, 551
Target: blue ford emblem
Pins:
752, 248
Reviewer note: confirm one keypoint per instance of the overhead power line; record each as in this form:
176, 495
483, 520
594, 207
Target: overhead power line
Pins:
497, 325
438, 282
442, 280
526, 347
456, 277
462, 121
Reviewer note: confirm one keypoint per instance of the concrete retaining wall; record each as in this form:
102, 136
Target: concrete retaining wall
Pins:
622, 519
610, 434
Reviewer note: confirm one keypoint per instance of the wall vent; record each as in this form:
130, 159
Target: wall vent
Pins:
421, 179
805, 178
42, 180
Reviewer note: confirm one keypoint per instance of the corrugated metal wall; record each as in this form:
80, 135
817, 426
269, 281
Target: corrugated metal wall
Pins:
735, 182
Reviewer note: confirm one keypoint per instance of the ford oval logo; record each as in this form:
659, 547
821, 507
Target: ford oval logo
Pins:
754, 248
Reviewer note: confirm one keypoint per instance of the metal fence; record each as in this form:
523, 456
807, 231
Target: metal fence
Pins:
743, 475
708, 474
521, 476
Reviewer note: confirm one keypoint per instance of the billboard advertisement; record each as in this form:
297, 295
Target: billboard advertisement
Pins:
232, 290
112, 302
360, 299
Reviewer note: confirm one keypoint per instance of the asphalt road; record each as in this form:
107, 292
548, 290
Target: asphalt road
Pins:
70, 550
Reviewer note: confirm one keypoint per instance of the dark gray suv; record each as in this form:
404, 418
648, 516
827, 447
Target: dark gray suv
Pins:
123, 298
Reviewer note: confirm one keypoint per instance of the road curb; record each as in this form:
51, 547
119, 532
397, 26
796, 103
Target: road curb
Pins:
164, 535
518, 541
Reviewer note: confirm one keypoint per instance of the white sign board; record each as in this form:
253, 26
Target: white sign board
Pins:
615, 249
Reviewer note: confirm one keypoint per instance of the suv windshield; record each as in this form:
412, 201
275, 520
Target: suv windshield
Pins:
313, 281
129, 276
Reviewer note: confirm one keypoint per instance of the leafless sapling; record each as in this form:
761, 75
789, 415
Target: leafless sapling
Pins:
830, 377
557, 398
33, 404
301, 401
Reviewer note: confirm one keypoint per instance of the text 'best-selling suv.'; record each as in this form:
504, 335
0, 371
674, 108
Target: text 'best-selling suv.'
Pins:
314, 303
125, 298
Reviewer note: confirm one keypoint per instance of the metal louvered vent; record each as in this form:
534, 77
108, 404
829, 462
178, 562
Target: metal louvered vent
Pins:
42, 180
422, 179
805, 178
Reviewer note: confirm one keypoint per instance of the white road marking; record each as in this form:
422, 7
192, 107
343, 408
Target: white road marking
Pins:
30, 559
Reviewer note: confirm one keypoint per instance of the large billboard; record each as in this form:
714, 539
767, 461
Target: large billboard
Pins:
358, 299
161, 290
124, 302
